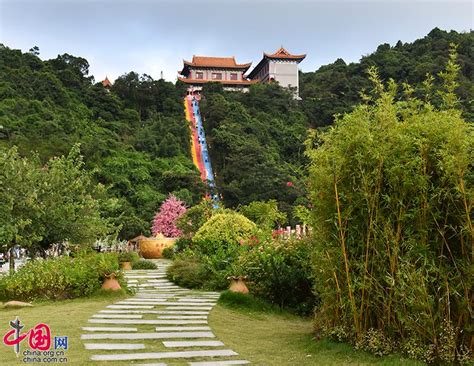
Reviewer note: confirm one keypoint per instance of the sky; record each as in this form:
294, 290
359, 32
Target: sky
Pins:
145, 36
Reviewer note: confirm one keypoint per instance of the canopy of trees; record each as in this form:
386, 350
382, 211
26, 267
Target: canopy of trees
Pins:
335, 88
134, 139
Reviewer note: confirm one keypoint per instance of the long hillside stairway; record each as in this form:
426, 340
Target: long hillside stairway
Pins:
199, 147
163, 324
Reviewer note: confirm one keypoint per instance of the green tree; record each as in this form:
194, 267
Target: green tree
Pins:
20, 208
265, 214
392, 190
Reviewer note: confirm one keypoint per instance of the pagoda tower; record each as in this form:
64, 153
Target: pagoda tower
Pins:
280, 66
106, 83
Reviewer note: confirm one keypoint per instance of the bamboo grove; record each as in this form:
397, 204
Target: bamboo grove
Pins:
392, 188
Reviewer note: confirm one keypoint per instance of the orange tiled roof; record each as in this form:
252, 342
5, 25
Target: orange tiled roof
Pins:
228, 82
106, 82
282, 53
219, 62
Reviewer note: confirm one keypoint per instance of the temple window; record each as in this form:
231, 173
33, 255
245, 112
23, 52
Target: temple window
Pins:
216, 76
199, 75
233, 76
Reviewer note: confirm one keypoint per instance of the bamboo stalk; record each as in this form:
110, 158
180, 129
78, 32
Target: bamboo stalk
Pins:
346, 261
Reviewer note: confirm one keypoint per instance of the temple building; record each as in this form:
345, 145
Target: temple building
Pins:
106, 83
224, 70
281, 67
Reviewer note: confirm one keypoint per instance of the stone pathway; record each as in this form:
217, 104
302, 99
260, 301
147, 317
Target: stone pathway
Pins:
162, 322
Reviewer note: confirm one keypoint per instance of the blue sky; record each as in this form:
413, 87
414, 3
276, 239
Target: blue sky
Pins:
117, 36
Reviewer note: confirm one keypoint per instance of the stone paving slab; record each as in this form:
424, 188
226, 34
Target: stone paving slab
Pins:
168, 303
193, 299
118, 316
182, 317
171, 344
219, 363
180, 328
183, 312
164, 303
109, 329
157, 335
144, 321
130, 306
114, 346
163, 355
153, 312
188, 308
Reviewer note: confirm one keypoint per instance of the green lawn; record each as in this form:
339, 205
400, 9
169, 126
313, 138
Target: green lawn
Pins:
272, 338
64, 318
263, 338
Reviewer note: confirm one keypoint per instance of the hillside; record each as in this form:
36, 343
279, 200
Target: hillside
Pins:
134, 138
335, 88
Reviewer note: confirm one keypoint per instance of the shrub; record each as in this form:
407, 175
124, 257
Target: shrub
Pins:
181, 244
265, 214
128, 257
168, 253
225, 229
280, 272
143, 264
246, 302
392, 188
59, 278
191, 221
165, 220
189, 272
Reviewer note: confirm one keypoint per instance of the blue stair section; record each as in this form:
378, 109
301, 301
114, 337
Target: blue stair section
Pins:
206, 159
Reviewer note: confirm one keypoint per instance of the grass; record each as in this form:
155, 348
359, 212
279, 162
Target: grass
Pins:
256, 330
267, 336
64, 318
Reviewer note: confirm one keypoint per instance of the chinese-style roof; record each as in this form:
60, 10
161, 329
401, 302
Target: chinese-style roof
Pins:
214, 63
218, 62
106, 82
226, 82
280, 54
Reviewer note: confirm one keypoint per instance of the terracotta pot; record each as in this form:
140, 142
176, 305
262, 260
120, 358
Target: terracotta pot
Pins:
237, 284
152, 248
126, 265
111, 283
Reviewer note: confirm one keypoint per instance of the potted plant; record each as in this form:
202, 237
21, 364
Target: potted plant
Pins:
237, 284
125, 260
109, 272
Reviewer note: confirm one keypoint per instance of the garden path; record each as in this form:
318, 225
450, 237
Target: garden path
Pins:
162, 322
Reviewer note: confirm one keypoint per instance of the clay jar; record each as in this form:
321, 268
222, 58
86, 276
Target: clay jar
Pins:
111, 283
237, 284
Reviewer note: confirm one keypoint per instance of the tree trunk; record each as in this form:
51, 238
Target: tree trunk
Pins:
11, 260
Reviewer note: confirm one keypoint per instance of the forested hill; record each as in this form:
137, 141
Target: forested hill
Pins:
336, 87
134, 138
257, 139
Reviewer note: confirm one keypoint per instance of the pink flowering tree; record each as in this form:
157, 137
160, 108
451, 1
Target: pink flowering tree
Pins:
165, 220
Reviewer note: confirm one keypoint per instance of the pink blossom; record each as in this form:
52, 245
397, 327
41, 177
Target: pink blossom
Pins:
165, 220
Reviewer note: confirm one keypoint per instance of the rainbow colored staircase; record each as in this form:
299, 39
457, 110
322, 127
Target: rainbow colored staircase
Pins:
199, 150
